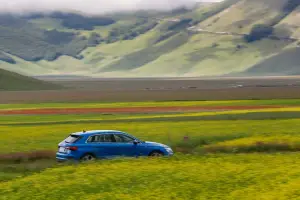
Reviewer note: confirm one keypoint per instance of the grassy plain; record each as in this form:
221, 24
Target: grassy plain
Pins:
235, 154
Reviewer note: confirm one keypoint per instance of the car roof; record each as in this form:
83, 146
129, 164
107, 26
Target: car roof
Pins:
91, 132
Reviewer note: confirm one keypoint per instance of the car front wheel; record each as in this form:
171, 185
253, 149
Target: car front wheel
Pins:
88, 157
156, 154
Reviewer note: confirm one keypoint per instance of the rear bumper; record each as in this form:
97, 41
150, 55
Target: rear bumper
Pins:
60, 157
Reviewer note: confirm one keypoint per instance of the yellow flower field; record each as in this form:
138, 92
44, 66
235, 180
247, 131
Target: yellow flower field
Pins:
254, 176
240, 154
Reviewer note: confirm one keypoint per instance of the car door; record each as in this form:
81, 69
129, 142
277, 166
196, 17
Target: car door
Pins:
124, 145
102, 145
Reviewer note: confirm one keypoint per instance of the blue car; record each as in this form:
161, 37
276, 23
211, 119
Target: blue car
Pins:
99, 144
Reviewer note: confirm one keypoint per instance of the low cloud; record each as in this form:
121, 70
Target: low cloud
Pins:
91, 6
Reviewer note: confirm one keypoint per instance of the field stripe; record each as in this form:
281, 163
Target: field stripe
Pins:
40, 111
209, 116
277, 102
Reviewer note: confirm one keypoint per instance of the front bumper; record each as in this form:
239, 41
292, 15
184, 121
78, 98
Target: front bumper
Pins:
169, 152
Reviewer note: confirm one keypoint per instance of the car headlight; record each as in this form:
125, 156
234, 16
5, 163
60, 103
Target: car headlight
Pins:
169, 150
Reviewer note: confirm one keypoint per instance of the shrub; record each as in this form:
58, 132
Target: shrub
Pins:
258, 32
7, 59
79, 22
165, 36
182, 24
291, 5
57, 37
214, 45
130, 32
94, 39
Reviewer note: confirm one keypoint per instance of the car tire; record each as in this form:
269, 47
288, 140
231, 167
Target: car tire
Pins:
156, 154
88, 157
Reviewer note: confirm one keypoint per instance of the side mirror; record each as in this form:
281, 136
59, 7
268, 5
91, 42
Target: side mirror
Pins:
135, 142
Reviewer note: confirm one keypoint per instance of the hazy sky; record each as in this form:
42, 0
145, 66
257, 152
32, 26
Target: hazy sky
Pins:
91, 6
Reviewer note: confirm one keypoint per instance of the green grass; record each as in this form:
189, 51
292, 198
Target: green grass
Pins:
275, 102
253, 176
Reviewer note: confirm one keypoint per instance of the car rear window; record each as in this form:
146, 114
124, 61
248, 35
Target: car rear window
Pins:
72, 138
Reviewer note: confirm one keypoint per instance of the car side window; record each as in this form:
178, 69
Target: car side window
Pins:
101, 138
123, 138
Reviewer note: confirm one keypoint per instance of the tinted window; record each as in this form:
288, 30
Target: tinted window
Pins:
101, 138
72, 138
123, 138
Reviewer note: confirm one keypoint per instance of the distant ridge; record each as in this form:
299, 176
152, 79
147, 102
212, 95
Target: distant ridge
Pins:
13, 81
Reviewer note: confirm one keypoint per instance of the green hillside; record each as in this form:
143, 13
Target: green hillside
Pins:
14, 81
286, 62
229, 37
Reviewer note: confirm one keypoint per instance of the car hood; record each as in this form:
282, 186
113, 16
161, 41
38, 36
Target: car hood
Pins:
148, 143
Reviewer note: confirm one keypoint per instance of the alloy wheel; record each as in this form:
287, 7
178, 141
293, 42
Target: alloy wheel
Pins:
88, 157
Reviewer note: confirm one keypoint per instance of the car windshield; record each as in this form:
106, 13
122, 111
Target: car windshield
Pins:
72, 138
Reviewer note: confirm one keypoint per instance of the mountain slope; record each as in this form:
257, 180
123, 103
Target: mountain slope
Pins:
286, 63
241, 16
291, 23
14, 81
20, 38
208, 40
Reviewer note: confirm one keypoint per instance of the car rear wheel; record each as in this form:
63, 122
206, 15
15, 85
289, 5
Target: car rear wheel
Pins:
156, 154
88, 157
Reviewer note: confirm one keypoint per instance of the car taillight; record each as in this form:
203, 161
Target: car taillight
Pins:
72, 148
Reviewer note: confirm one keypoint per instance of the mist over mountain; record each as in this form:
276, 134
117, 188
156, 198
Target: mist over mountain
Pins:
92, 6
232, 37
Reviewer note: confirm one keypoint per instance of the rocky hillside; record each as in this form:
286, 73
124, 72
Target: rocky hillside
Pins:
233, 37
